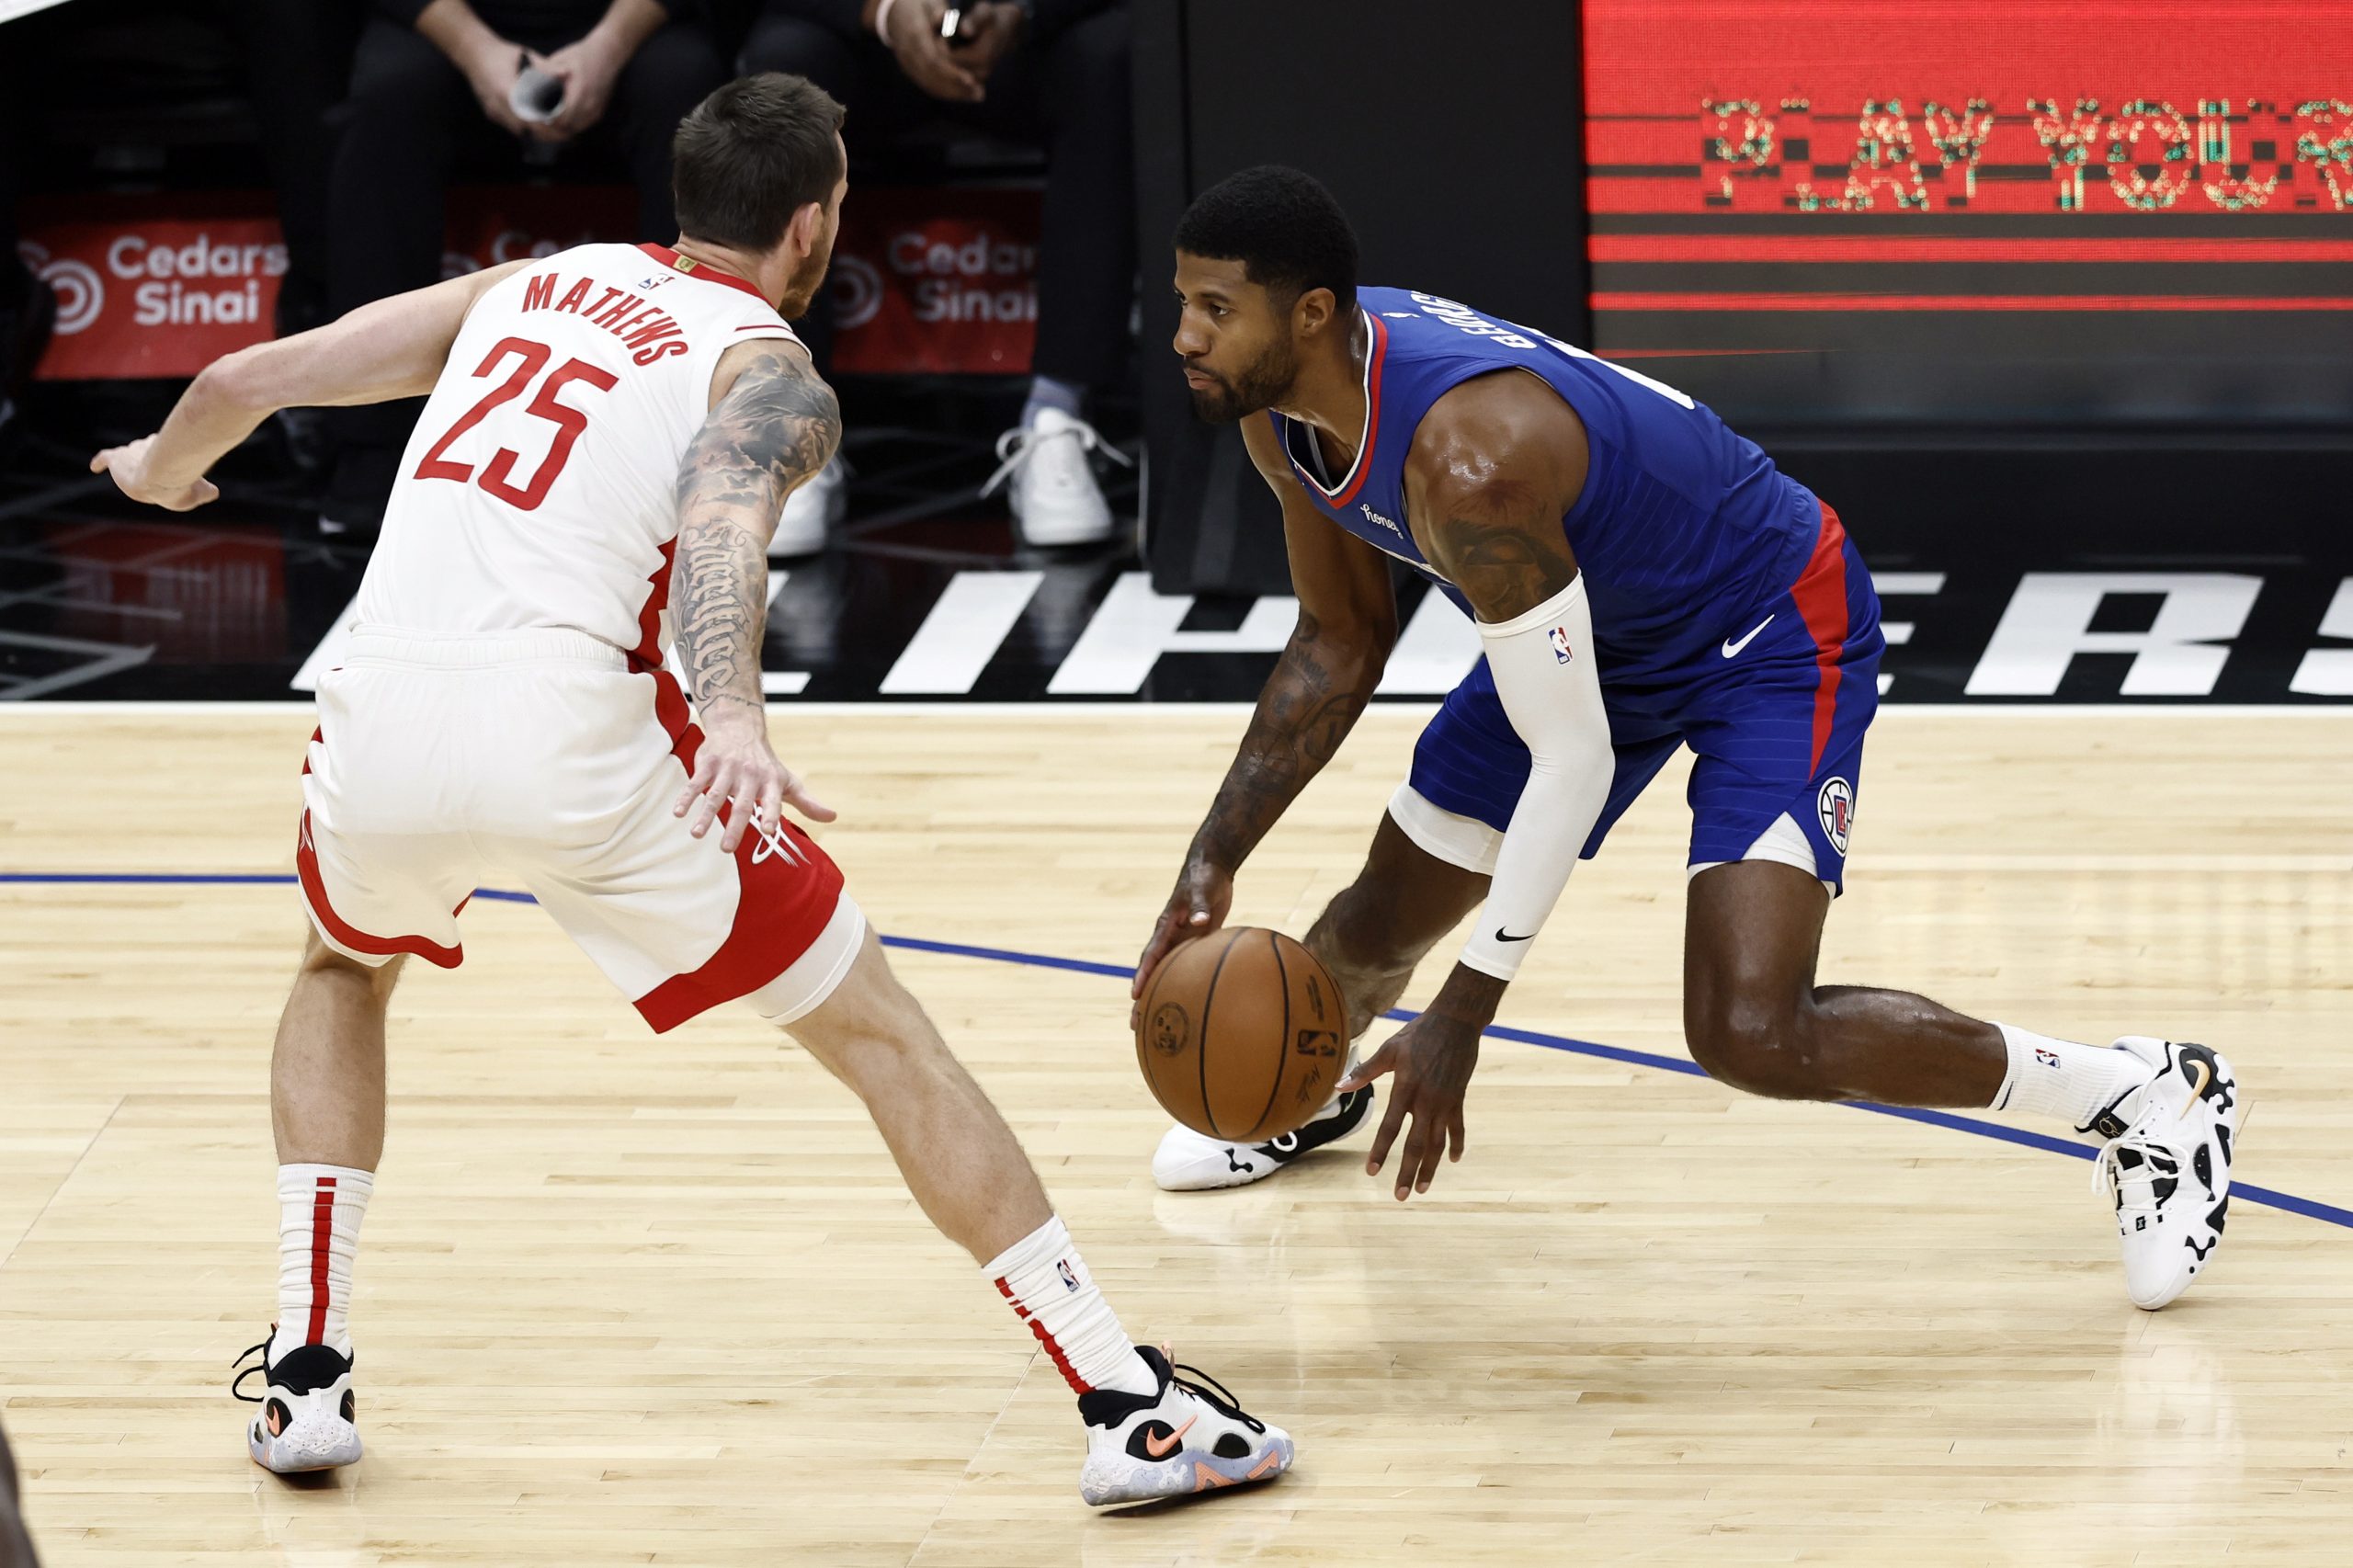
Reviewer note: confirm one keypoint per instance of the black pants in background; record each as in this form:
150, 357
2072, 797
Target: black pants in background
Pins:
410, 117
1069, 94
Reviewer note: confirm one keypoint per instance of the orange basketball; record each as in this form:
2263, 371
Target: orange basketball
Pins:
1242, 1034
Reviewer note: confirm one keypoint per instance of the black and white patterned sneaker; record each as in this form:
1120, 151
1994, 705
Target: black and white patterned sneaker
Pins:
307, 1409
2166, 1166
1189, 1435
1187, 1161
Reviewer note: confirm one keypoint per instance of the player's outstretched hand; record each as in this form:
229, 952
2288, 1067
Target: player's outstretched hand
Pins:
1197, 906
1432, 1058
128, 465
737, 764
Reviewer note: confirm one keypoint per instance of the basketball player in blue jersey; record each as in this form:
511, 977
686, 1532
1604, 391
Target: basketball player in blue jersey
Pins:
1643, 579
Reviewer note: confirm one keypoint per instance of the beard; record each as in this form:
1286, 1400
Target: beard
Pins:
801, 289
1260, 386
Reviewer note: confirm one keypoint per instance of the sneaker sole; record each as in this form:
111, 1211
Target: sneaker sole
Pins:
1192, 1472
281, 1457
1341, 1126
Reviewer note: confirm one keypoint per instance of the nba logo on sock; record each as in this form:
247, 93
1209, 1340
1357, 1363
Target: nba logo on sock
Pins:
1560, 637
1062, 1267
2048, 1058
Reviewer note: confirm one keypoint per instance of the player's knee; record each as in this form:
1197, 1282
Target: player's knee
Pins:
1362, 932
318, 958
1753, 1044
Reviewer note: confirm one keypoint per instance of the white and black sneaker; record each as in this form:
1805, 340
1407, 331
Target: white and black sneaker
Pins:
307, 1409
2166, 1166
1188, 1436
1187, 1161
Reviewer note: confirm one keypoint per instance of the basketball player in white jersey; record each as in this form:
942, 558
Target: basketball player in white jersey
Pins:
610, 434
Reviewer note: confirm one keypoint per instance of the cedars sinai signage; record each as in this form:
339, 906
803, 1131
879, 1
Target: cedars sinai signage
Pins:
925, 280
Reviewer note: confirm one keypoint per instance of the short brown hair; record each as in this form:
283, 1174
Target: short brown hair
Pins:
752, 154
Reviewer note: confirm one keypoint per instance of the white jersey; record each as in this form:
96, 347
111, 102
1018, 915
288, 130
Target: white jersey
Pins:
539, 489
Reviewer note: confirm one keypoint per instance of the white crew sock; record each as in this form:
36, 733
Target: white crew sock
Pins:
2061, 1078
319, 1211
1047, 1282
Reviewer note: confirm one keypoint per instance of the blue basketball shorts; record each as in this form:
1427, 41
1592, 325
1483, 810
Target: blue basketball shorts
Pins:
1776, 715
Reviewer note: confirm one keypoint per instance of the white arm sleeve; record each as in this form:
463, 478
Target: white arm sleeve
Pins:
1543, 666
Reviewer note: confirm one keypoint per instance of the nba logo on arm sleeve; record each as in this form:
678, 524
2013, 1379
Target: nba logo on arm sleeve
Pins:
1560, 638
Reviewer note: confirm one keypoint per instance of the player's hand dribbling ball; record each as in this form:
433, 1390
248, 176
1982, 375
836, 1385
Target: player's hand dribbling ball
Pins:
1242, 1034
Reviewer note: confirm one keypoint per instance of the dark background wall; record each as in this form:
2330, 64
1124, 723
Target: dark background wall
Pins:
1451, 134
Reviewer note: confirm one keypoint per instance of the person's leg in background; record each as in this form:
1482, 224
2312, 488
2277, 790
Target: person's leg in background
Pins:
1070, 89
408, 109
28, 308
299, 56
803, 39
670, 74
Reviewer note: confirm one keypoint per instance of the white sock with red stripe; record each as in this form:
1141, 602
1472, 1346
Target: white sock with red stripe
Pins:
1047, 1282
319, 1211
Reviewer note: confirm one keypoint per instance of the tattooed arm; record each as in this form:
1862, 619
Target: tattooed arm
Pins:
773, 424
1495, 465
1348, 623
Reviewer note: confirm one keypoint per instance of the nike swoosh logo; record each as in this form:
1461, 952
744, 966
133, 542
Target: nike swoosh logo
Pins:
1501, 938
2205, 1072
1731, 649
1161, 1448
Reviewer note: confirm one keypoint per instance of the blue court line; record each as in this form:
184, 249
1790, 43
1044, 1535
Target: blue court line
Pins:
2288, 1202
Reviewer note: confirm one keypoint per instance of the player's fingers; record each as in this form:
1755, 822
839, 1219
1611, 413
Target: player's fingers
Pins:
1455, 1135
1371, 1067
772, 796
1389, 1124
1414, 1164
705, 765
807, 804
203, 493
100, 461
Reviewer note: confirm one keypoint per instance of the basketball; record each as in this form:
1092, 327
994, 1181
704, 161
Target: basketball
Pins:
1242, 1034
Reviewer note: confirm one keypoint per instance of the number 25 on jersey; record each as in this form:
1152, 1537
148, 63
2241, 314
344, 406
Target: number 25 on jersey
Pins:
496, 476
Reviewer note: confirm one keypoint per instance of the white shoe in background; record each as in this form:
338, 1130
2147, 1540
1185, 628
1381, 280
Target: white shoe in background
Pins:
812, 511
1054, 497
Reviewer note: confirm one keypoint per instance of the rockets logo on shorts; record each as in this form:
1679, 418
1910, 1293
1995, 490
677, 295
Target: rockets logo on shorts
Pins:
1835, 805
1560, 639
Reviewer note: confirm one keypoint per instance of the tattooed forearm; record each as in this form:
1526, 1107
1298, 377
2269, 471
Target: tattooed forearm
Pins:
722, 602
777, 425
1310, 704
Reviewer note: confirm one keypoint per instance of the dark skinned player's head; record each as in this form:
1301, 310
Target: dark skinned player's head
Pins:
1266, 273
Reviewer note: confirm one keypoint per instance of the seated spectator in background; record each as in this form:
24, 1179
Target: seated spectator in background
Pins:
430, 79
1052, 71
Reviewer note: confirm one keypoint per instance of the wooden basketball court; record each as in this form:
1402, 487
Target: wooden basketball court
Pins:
623, 1299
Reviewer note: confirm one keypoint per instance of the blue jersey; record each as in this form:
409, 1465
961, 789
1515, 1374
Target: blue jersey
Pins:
1683, 526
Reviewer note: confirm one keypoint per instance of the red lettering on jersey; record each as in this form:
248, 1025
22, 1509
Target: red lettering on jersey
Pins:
574, 296
668, 347
652, 332
636, 316
538, 291
612, 318
602, 299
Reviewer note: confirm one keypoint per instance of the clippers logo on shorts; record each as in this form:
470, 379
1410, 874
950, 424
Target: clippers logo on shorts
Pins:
1070, 1277
1559, 637
1835, 805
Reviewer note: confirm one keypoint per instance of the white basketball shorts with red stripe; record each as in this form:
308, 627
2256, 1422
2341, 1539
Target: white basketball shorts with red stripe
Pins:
542, 758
